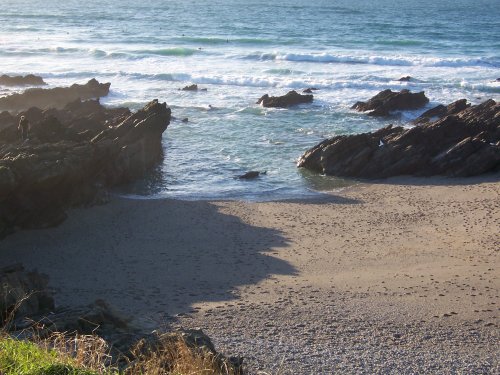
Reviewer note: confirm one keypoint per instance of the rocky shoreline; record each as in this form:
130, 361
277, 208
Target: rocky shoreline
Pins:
458, 140
73, 155
78, 149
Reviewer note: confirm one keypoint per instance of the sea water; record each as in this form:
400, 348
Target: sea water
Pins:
239, 50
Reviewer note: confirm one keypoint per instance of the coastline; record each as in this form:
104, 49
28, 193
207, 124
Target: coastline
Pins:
356, 278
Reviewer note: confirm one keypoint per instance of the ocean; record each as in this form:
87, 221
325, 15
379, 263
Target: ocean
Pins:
239, 50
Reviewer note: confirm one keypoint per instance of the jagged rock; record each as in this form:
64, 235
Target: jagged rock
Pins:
59, 167
387, 101
76, 117
57, 97
464, 144
441, 111
290, 99
29, 80
405, 79
193, 87
22, 293
309, 90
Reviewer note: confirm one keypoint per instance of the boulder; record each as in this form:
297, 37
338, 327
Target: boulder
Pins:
29, 80
388, 101
56, 97
290, 99
466, 143
59, 167
309, 90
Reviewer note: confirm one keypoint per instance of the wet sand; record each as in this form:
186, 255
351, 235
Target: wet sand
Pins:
399, 276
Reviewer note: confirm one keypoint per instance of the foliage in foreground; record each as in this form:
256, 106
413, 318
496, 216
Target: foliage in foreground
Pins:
23, 357
88, 355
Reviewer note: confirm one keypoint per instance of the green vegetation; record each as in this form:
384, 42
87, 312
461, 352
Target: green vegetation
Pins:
25, 358
83, 355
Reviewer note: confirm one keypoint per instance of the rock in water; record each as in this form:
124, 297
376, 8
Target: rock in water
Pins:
387, 101
290, 99
466, 143
57, 97
40, 180
193, 87
251, 175
29, 80
441, 111
405, 79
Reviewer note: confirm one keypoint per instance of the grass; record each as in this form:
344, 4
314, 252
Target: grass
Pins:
19, 357
75, 354
62, 354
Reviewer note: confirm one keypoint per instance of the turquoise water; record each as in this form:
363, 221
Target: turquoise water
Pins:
240, 50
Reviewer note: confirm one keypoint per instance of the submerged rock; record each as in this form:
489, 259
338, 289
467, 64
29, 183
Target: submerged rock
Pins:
309, 90
57, 97
387, 101
29, 80
290, 99
466, 143
251, 175
63, 165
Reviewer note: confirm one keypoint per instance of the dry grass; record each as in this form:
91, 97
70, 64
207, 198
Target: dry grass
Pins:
90, 354
74, 354
173, 356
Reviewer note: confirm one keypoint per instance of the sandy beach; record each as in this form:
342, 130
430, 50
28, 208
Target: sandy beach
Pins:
397, 276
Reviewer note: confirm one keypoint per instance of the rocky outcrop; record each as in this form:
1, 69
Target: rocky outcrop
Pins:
29, 80
405, 79
193, 87
64, 164
290, 99
441, 111
56, 97
22, 294
466, 143
388, 101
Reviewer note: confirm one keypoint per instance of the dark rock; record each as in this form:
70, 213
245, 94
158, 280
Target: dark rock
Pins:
60, 167
387, 101
29, 80
193, 87
251, 175
22, 294
77, 117
466, 143
441, 111
55, 98
185, 119
309, 90
405, 79
290, 99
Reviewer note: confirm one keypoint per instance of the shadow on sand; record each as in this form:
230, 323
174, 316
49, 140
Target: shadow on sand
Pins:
149, 257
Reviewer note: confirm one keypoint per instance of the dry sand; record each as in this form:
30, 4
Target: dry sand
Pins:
400, 276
